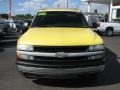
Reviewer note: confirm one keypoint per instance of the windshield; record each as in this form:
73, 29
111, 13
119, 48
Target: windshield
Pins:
59, 19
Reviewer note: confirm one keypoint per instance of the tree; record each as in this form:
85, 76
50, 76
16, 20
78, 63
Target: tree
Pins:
22, 16
5, 16
28, 16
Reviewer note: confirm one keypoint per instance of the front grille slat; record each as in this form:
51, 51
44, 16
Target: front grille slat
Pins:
66, 59
79, 64
54, 49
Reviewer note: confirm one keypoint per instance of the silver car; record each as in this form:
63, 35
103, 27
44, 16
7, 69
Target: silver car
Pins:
1, 31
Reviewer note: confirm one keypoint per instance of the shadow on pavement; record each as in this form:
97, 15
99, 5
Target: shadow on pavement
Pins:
110, 76
10, 40
103, 34
1, 49
10, 37
8, 44
11, 34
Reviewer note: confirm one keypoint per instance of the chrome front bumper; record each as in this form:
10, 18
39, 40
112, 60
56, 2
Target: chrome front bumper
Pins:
51, 71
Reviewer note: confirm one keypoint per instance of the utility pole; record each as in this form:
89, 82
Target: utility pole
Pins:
58, 4
89, 6
67, 4
10, 7
29, 7
28, 13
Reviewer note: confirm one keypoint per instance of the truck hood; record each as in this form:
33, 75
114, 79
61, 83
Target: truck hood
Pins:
60, 37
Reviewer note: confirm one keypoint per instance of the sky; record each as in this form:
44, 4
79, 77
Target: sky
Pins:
22, 6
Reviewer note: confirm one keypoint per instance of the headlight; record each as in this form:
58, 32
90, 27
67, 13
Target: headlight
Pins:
25, 48
96, 47
99, 47
26, 57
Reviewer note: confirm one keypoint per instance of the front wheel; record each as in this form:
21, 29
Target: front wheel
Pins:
109, 32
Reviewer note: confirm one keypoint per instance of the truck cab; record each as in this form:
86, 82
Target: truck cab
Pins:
60, 44
112, 27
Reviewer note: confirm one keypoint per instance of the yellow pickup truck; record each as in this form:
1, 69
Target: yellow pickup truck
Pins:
60, 44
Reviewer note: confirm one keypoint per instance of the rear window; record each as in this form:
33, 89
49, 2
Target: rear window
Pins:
59, 19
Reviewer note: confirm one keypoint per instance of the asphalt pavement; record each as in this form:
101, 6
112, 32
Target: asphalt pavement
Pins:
10, 79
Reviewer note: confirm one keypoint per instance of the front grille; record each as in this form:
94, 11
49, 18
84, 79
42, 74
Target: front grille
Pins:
62, 64
66, 62
54, 49
55, 59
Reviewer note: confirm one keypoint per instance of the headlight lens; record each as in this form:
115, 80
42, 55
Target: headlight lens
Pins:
99, 47
26, 57
25, 48
96, 47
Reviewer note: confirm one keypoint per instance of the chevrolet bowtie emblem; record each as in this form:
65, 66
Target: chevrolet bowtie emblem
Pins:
61, 55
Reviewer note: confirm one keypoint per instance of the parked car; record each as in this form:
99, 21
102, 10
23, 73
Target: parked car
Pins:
60, 44
1, 32
11, 23
26, 24
5, 25
18, 25
15, 25
109, 28
93, 20
4, 29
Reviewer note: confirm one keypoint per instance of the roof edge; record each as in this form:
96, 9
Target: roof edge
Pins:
61, 9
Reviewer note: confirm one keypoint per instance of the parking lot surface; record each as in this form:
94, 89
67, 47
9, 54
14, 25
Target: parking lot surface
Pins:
10, 79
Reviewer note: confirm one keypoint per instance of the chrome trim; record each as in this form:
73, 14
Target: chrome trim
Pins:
58, 71
54, 54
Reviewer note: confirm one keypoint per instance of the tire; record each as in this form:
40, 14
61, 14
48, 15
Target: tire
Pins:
109, 32
16, 30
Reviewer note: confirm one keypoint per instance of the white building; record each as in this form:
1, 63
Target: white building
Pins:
114, 7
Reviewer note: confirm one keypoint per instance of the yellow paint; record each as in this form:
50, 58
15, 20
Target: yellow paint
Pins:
60, 36
60, 9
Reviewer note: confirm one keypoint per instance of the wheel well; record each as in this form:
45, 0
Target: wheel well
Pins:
109, 28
